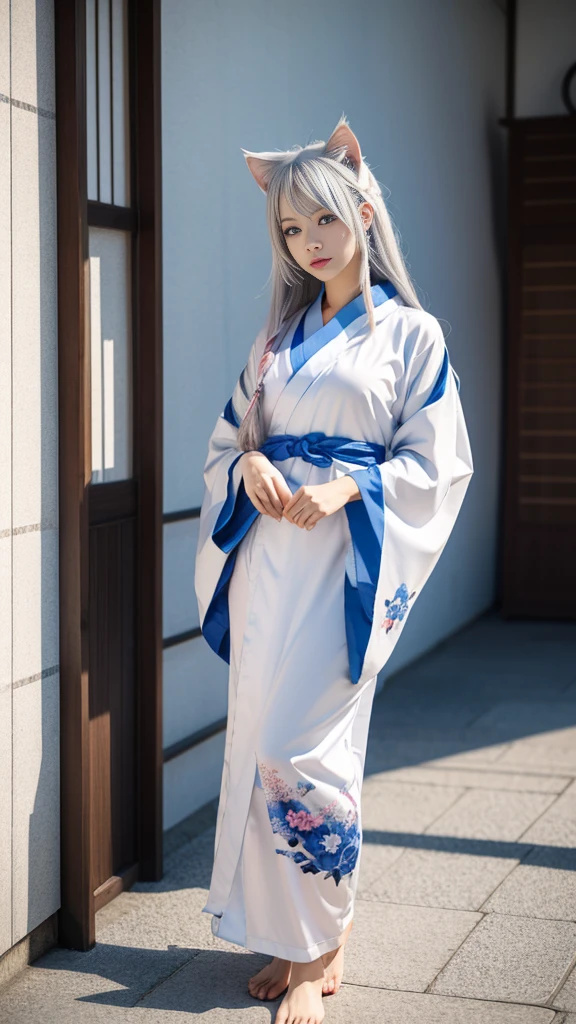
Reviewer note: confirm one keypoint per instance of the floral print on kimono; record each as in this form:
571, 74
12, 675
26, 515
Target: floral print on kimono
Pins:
396, 608
322, 840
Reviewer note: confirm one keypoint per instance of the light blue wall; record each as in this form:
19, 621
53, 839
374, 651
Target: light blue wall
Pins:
422, 85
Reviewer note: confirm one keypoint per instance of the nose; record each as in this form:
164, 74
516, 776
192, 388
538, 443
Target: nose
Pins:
313, 243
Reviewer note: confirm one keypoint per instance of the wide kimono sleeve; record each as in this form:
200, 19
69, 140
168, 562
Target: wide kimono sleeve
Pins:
226, 513
410, 501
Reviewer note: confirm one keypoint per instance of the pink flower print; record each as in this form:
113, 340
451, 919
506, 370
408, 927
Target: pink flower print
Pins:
327, 809
303, 820
273, 784
314, 847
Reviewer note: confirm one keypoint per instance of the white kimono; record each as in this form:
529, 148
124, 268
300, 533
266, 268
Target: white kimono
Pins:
307, 618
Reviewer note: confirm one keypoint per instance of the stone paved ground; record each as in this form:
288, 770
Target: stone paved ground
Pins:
466, 909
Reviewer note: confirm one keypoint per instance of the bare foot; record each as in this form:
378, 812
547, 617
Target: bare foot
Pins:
334, 966
271, 980
303, 1000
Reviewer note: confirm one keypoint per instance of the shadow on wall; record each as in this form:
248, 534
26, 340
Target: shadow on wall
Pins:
35, 309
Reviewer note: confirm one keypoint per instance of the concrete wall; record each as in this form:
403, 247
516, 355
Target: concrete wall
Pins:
422, 85
29, 743
545, 49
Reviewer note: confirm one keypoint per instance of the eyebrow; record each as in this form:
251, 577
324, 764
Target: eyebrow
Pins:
294, 218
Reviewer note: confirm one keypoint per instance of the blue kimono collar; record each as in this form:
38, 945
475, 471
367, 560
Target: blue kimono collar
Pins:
381, 292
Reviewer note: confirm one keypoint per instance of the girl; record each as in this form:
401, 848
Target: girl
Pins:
334, 477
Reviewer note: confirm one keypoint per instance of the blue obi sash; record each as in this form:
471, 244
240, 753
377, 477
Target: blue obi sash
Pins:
365, 520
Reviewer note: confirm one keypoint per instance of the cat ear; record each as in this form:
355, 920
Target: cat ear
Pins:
343, 136
261, 166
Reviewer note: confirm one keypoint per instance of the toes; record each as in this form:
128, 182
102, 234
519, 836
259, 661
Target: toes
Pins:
267, 989
257, 985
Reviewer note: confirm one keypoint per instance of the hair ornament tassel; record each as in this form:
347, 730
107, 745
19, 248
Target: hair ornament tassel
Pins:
251, 429
263, 367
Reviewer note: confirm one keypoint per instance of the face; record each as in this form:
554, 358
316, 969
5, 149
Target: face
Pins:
321, 244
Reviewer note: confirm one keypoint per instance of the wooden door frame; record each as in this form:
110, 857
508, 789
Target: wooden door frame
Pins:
77, 913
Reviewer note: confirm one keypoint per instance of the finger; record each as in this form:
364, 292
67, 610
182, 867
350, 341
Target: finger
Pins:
313, 519
293, 499
268, 508
257, 504
301, 515
293, 512
282, 488
311, 515
260, 492
273, 497
304, 518
283, 491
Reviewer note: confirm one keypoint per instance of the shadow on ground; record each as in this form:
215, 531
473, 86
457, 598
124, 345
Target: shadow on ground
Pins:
466, 904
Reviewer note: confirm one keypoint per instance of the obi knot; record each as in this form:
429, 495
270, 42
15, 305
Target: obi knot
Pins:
321, 450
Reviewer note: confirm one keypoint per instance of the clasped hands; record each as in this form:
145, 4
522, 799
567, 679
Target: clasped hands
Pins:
270, 494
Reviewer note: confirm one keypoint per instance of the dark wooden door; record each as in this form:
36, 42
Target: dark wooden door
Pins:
113, 708
540, 497
110, 452
112, 346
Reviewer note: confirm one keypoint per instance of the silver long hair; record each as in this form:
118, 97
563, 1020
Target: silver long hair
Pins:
334, 176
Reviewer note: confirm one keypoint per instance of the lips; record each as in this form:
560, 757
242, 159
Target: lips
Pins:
321, 262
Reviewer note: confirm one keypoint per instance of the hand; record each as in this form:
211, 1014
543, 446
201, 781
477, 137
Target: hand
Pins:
264, 484
310, 503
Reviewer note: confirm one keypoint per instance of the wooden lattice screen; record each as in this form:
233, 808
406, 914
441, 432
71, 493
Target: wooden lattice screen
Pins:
539, 577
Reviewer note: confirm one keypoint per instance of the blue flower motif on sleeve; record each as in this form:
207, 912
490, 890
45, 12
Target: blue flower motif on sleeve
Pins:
328, 838
396, 608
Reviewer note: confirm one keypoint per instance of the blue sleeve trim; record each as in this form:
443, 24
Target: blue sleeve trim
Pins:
366, 522
229, 413
216, 625
234, 520
440, 385
236, 515
358, 629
